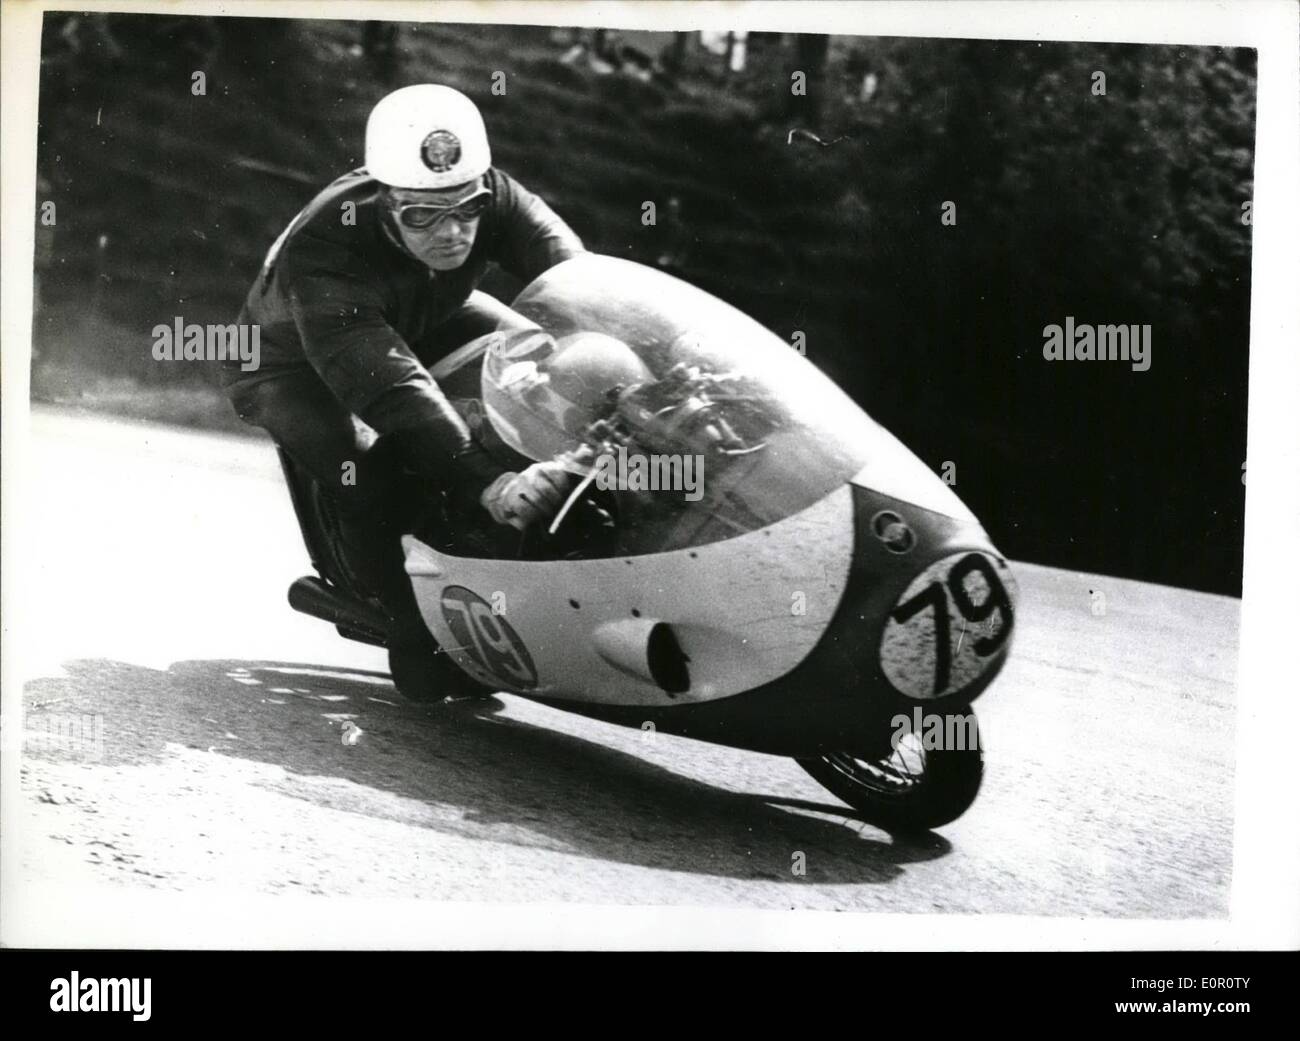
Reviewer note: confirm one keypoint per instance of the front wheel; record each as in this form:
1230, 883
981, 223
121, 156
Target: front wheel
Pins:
424, 673
912, 789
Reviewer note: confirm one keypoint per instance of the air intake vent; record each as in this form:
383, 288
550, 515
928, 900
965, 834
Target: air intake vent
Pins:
667, 660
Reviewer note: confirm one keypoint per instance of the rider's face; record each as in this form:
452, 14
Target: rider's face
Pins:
444, 244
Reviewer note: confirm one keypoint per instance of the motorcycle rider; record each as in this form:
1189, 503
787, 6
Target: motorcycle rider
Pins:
369, 284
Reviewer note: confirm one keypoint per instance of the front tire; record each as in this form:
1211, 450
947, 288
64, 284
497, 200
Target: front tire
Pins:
424, 673
912, 789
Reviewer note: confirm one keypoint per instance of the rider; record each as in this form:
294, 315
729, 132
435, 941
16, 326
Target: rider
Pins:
370, 283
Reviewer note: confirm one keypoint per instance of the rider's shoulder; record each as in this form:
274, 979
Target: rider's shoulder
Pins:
328, 210
337, 225
505, 188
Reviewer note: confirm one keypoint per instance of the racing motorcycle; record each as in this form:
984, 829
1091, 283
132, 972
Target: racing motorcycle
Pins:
745, 557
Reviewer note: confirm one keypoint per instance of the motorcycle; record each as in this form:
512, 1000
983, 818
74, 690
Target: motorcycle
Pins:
744, 557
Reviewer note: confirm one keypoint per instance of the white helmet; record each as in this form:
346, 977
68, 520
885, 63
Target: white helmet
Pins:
426, 136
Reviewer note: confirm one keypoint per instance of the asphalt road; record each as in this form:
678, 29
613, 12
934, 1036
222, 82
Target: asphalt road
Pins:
154, 600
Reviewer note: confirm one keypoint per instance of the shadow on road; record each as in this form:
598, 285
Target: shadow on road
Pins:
509, 780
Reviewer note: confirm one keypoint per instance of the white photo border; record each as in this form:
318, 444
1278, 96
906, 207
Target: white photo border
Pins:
1265, 901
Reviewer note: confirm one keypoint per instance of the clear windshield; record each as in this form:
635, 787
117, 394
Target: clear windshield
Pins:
699, 422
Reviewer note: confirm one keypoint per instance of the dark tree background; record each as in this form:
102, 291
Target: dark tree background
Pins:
1116, 209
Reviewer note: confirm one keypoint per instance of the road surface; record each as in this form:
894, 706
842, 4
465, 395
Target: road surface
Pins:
212, 757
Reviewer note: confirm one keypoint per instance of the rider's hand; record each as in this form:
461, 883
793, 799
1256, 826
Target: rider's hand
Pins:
520, 499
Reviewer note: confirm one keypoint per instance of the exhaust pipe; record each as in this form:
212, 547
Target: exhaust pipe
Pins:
358, 621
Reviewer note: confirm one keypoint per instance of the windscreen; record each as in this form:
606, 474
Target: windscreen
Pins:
699, 422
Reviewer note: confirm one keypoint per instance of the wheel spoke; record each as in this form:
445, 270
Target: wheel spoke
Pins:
907, 788
895, 775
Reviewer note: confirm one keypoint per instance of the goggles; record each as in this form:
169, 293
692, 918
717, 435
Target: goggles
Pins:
421, 216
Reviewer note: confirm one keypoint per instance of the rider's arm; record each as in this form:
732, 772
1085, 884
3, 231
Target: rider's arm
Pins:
372, 371
531, 237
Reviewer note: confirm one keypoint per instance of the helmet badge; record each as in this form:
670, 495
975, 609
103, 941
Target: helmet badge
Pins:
440, 151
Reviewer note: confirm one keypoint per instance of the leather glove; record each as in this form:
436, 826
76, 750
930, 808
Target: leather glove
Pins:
521, 499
